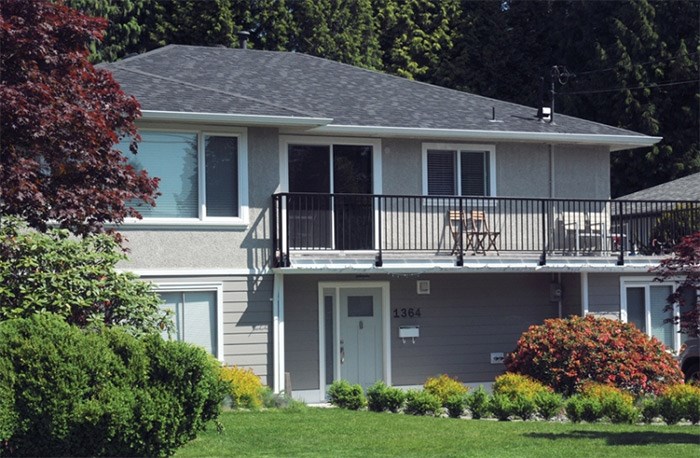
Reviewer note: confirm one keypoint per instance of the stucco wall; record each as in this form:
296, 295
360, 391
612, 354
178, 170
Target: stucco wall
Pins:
195, 246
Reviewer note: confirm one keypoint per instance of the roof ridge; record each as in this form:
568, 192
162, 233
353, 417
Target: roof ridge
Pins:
234, 94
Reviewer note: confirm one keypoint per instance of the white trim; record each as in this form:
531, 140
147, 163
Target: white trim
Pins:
278, 350
232, 118
195, 272
235, 222
615, 142
218, 288
386, 327
647, 282
584, 294
460, 147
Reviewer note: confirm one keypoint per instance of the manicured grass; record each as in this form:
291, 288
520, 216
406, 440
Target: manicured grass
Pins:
336, 432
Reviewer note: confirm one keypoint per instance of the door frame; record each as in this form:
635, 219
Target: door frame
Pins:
385, 329
375, 143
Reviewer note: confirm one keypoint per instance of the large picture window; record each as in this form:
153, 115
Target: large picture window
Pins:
458, 170
200, 175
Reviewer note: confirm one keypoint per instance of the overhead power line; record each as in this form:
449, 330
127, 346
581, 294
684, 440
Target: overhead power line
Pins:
587, 72
641, 86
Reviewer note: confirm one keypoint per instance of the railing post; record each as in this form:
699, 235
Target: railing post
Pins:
460, 255
378, 262
622, 235
276, 252
285, 211
543, 256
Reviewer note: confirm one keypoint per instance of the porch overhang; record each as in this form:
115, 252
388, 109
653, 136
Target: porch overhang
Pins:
408, 265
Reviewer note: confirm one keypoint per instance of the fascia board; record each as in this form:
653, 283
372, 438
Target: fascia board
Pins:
226, 118
615, 142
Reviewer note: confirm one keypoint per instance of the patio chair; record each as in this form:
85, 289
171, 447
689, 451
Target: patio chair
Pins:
480, 237
455, 220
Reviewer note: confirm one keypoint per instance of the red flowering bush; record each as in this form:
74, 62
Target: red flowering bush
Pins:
565, 353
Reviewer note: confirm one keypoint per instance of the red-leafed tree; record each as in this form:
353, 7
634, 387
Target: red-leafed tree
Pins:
61, 118
684, 266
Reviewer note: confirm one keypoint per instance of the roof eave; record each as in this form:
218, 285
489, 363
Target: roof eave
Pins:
226, 118
614, 142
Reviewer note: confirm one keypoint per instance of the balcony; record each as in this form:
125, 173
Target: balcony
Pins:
318, 225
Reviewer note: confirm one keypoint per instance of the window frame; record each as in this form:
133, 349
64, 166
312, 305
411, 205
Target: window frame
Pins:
460, 148
242, 220
217, 288
647, 283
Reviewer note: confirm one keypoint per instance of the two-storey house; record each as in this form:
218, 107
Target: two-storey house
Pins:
325, 221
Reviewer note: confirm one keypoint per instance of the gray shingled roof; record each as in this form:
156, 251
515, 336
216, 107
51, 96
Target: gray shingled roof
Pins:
249, 82
686, 188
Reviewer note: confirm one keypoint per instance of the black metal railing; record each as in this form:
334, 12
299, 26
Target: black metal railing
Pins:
477, 225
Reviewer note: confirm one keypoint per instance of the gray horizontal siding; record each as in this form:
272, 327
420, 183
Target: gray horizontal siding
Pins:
464, 319
247, 325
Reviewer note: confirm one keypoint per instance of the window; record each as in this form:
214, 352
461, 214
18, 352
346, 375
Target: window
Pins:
196, 313
458, 170
643, 303
202, 176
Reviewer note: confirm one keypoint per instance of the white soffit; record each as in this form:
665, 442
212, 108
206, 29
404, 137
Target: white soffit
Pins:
226, 118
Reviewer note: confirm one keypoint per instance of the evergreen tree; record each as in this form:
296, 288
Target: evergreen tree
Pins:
337, 30
270, 23
415, 35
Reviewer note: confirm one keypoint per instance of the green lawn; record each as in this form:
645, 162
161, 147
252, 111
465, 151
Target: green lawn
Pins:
335, 432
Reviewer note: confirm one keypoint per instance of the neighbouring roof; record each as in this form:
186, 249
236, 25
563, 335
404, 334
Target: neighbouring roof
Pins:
244, 82
686, 188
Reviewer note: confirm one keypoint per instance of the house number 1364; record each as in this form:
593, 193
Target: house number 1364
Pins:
407, 312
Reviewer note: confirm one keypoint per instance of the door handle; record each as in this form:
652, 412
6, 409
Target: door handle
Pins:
342, 355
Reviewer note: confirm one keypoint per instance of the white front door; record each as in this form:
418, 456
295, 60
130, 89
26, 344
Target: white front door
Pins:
360, 337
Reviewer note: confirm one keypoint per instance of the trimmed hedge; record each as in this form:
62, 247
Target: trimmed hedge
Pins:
101, 392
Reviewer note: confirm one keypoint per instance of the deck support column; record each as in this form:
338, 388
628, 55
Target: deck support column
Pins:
278, 375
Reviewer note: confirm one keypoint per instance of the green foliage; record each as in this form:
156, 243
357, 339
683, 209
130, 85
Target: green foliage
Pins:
564, 353
421, 402
512, 385
680, 401
524, 406
591, 409
382, 398
574, 408
102, 392
282, 401
75, 279
443, 387
548, 404
501, 406
342, 394
649, 408
455, 405
478, 403
244, 387
617, 405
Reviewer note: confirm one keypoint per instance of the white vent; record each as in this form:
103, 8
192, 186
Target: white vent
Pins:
423, 286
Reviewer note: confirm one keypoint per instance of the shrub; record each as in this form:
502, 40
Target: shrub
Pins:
73, 278
563, 353
574, 408
592, 409
102, 392
649, 408
523, 407
680, 401
548, 404
342, 394
478, 403
617, 405
513, 385
381, 398
444, 386
455, 405
501, 407
244, 387
281, 401
421, 402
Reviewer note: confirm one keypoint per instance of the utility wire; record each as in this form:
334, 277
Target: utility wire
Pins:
642, 86
642, 64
